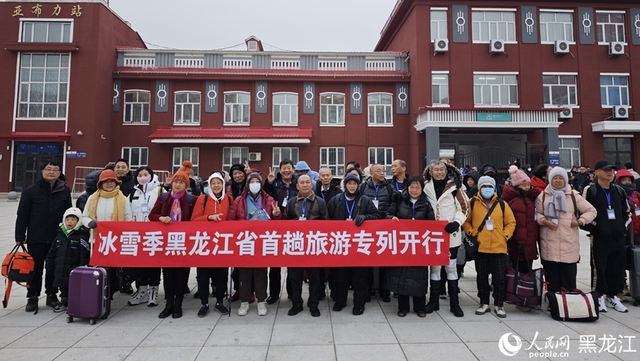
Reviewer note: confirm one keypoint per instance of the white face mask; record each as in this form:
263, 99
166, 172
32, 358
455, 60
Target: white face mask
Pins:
254, 188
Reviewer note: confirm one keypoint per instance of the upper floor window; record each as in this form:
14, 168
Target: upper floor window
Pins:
282, 153
285, 109
187, 107
380, 109
610, 27
136, 106
493, 25
438, 24
495, 89
44, 82
560, 90
234, 155
614, 90
439, 89
236, 108
46, 32
186, 153
332, 109
136, 156
382, 156
332, 158
556, 26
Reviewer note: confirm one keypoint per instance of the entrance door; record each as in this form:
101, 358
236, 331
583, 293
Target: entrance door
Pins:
28, 163
618, 151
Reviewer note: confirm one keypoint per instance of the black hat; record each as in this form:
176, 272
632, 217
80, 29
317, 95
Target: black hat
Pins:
489, 169
351, 177
604, 164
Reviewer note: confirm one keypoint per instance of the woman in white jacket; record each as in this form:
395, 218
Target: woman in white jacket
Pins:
446, 194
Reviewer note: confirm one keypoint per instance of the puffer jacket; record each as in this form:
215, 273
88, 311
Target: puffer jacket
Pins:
238, 210
90, 186
523, 206
68, 251
504, 224
127, 183
147, 194
278, 190
452, 204
383, 195
475, 176
563, 244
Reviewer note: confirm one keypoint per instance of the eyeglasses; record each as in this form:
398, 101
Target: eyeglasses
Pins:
52, 170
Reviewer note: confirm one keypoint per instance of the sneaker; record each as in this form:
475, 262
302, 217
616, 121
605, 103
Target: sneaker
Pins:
221, 309
484, 308
139, 297
59, 308
244, 309
615, 303
203, 311
262, 308
602, 305
152, 300
500, 312
52, 301
32, 304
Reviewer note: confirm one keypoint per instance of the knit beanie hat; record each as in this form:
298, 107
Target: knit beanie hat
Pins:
254, 175
183, 173
73, 211
559, 171
106, 175
351, 177
518, 176
484, 180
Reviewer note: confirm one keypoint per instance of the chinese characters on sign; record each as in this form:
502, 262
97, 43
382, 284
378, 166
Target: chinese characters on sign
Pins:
36, 10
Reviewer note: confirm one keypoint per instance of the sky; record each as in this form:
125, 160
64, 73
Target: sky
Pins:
295, 25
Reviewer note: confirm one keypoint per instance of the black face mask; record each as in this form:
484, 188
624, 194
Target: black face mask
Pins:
628, 188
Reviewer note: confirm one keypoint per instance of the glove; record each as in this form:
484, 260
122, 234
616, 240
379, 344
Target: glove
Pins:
360, 219
452, 227
520, 248
93, 224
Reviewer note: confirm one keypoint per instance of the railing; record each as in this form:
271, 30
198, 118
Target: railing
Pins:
332, 65
140, 62
189, 63
380, 65
237, 64
285, 64
517, 115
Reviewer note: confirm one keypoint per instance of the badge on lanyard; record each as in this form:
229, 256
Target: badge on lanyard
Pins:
637, 211
375, 203
611, 214
302, 218
489, 225
284, 202
144, 207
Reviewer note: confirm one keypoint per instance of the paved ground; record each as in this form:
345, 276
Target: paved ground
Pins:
136, 333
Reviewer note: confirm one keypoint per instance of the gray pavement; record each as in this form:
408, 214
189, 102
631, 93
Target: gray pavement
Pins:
136, 333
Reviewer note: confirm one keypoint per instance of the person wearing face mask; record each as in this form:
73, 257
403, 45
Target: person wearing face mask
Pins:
144, 195
498, 225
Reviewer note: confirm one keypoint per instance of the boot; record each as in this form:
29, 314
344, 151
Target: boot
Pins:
152, 300
443, 285
177, 307
434, 297
139, 297
454, 300
168, 309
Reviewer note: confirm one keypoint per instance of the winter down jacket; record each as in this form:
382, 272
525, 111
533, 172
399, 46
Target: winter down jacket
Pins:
494, 242
523, 206
149, 195
238, 210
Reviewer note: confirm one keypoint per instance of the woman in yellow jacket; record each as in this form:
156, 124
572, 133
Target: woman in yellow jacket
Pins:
492, 239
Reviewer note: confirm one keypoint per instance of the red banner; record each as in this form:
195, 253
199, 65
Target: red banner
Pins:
270, 244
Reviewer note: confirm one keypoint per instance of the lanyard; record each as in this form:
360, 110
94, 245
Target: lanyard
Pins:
349, 210
304, 207
413, 211
376, 187
398, 185
608, 195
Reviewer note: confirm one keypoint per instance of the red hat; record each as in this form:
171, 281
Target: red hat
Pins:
108, 174
183, 173
623, 173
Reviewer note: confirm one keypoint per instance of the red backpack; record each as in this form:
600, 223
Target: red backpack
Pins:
17, 267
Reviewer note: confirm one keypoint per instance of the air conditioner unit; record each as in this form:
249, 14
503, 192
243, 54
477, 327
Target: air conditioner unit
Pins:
621, 112
566, 113
255, 156
561, 47
441, 45
616, 48
496, 46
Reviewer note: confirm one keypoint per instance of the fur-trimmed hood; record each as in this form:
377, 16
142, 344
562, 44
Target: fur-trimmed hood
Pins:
453, 175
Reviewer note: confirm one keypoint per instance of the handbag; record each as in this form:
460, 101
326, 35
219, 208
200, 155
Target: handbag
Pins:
573, 305
17, 267
471, 244
524, 289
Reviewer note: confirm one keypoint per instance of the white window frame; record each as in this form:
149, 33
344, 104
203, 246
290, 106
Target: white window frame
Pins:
375, 108
545, 25
191, 154
478, 35
612, 75
337, 167
325, 110
179, 108
230, 109
374, 158
492, 87
600, 26
548, 89
440, 89
25, 88
562, 148
291, 108
135, 103
64, 22
234, 155
437, 25
135, 162
280, 154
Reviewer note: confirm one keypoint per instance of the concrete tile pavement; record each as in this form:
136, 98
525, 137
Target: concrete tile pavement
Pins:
136, 333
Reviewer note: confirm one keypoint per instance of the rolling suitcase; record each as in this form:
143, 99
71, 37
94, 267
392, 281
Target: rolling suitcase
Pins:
89, 295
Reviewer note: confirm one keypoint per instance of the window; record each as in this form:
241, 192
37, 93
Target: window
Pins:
440, 89
610, 27
560, 90
282, 153
186, 153
136, 106
438, 24
494, 25
569, 152
234, 155
556, 26
380, 108
285, 109
332, 109
46, 32
495, 89
382, 156
614, 90
332, 158
236, 108
44, 81
136, 156
187, 108
618, 150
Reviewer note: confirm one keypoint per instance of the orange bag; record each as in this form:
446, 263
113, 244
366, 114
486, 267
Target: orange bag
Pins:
17, 267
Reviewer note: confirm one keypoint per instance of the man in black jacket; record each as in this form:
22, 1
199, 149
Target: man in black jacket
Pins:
400, 180
41, 207
125, 176
327, 187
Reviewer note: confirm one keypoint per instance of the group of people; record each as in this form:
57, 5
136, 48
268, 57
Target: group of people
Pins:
514, 224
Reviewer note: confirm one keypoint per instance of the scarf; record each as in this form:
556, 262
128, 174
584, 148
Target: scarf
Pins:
628, 188
118, 206
438, 186
557, 204
175, 212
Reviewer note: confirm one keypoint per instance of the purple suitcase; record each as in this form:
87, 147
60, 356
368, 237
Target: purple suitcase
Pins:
89, 295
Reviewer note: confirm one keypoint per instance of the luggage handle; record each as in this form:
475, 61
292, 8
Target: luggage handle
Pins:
107, 292
564, 291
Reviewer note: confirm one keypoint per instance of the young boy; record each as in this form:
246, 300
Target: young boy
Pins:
69, 250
